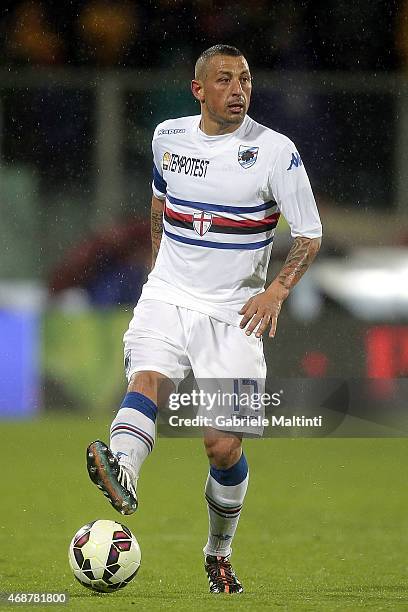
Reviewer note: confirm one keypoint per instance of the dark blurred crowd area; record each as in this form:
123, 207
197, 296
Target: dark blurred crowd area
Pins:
278, 34
54, 129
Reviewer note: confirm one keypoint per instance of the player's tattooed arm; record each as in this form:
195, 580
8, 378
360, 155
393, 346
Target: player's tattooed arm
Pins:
156, 226
299, 258
263, 309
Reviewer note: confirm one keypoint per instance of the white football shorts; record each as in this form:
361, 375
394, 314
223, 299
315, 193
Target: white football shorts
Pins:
174, 341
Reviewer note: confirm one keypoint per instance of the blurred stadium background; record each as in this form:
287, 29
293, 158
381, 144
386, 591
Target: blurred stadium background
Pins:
82, 86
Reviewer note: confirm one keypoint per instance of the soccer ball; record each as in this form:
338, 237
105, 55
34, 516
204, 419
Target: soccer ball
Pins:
104, 556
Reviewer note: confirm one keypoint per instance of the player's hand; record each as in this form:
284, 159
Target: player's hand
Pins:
263, 309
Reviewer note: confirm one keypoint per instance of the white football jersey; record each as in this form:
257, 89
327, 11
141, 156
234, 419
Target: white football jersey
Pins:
223, 196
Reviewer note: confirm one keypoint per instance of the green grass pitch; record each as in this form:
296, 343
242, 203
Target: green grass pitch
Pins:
324, 526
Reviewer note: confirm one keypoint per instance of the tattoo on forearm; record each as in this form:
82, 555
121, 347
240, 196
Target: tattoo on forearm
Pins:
299, 258
156, 232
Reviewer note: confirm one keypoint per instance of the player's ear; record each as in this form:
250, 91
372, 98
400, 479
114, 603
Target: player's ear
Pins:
197, 90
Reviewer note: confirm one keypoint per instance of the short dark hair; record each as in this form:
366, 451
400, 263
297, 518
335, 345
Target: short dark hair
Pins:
215, 50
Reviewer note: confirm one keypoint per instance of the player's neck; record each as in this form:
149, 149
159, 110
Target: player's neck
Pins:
214, 128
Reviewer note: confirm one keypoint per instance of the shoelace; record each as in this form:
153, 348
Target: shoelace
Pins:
125, 481
221, 572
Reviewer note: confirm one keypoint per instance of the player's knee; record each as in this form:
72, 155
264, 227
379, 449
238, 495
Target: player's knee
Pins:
154, 385
141, 381
223, 452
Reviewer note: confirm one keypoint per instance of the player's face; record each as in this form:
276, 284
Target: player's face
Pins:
226, 90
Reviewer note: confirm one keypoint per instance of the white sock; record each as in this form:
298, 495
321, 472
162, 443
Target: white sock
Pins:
133, 432
225, 492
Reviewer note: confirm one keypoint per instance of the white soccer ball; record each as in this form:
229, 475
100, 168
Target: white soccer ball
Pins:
104, 556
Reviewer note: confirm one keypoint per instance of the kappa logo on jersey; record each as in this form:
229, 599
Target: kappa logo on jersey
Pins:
173, 131
191, 166
247, 156
295, 161
202, 222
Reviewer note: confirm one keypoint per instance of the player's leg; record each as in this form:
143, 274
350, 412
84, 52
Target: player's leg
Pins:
133, 431
154, 360
115, 469
239, 360
225, 490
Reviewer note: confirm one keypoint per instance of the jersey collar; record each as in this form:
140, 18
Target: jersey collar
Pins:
220, 138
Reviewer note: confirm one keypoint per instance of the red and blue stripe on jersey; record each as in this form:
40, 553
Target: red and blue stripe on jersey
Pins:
231, 227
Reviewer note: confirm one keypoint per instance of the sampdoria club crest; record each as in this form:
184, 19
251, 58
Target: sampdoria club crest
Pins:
247, 156
202, 222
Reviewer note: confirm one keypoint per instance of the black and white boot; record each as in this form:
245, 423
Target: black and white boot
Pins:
221, 576
111, 478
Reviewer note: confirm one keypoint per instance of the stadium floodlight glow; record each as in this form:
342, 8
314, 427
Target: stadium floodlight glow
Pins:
370, 287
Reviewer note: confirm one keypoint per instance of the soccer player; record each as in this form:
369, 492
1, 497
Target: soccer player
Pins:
220, 182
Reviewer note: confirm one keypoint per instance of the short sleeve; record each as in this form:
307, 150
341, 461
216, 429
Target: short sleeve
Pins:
292, 192
159, 185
